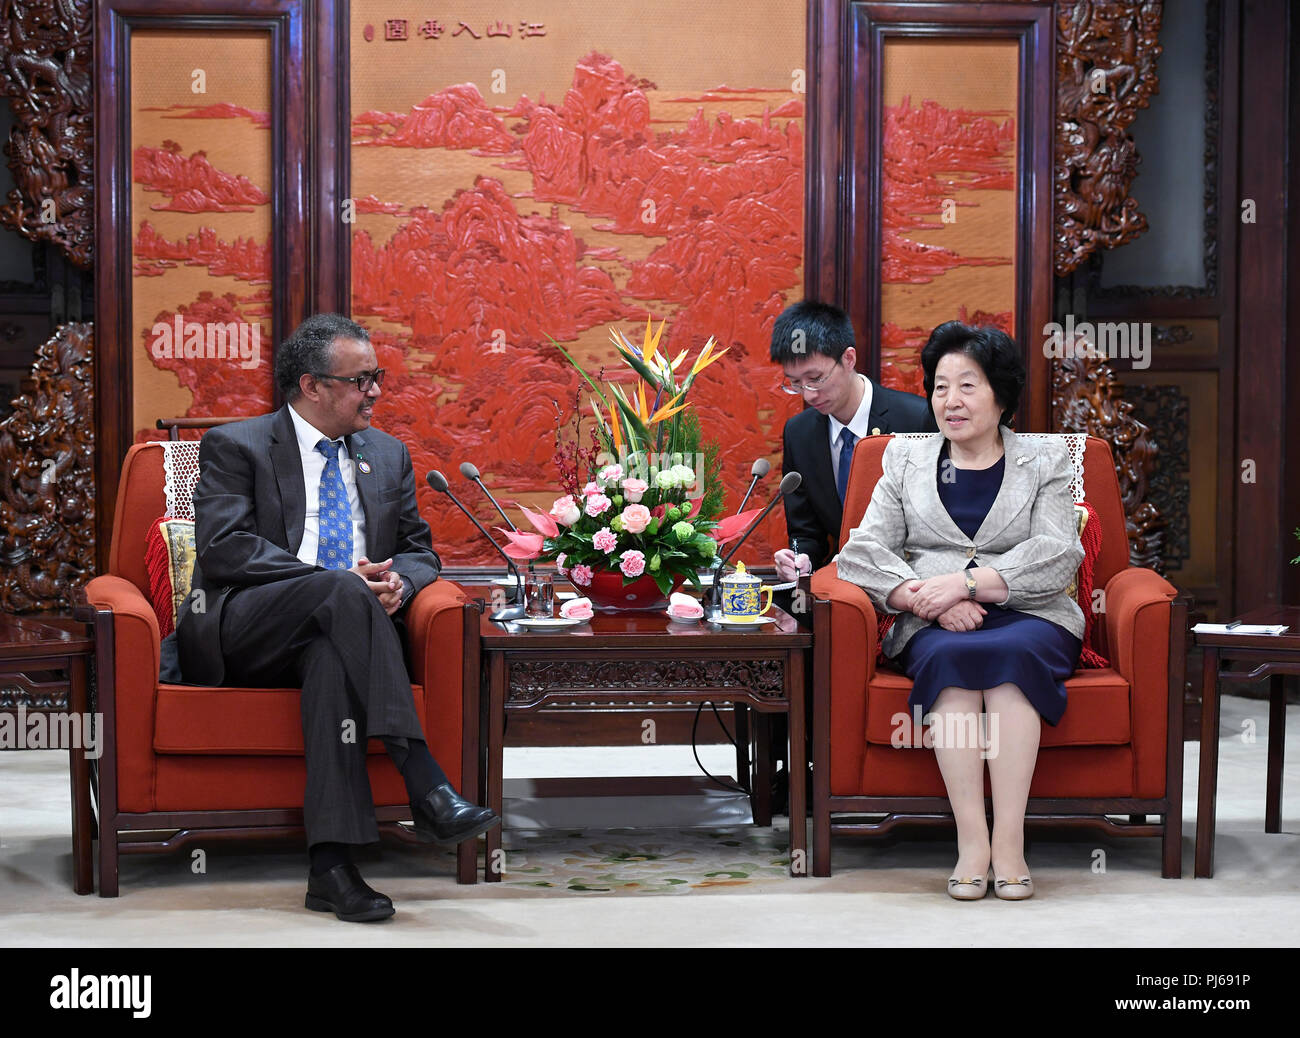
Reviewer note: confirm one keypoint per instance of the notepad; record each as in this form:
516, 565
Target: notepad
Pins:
1241, 629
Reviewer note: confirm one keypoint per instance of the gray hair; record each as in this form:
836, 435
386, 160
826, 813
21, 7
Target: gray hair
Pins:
307, 351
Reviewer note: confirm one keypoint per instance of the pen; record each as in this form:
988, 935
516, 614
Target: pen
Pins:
1229, 627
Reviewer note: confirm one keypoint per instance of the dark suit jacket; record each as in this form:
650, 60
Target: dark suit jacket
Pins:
813, 513
249, 514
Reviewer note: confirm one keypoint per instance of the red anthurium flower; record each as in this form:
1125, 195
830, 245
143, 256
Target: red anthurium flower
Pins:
658, 511
523, 546
733, 526
542, 522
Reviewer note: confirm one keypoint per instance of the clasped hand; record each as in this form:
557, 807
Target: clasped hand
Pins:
944, 598
382, 580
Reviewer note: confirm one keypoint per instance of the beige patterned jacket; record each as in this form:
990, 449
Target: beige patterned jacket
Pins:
1029, 535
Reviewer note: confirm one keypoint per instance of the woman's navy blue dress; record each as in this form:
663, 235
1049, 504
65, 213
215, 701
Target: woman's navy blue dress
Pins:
1032, 653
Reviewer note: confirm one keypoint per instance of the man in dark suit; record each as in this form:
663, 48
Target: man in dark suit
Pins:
289, 510
814, 344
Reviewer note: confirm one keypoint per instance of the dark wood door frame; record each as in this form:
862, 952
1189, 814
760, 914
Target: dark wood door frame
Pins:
844, 118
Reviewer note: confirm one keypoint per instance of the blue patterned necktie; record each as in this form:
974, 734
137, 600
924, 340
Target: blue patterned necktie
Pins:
334, 549
847, 440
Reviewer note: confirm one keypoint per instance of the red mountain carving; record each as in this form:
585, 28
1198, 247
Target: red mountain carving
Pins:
193, 184
244, 258
453, 118
221, 386
223, 110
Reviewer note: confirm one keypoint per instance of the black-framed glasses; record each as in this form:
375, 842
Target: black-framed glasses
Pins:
363, 382
799, 388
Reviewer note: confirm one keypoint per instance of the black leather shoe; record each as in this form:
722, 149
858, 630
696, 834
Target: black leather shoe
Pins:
445, 817
342, 891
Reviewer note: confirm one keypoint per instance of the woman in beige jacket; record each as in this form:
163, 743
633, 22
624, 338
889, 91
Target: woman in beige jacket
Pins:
970, 538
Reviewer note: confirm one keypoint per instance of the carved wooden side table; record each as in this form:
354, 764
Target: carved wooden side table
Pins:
43, 679
618, 660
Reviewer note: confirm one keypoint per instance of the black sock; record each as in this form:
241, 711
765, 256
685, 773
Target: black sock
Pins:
420, 771
324, 856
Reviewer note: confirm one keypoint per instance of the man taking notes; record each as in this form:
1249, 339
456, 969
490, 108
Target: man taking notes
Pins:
814, 344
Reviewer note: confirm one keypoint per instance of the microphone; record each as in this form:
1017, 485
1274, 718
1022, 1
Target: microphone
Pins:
470, 471
789, 483
758, 470
439, 483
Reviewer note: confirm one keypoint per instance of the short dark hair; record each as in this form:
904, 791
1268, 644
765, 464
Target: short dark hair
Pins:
993, 349
307, 351
825, 329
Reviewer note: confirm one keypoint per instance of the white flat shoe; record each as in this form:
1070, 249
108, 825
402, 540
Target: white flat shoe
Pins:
1014, 889
963, 889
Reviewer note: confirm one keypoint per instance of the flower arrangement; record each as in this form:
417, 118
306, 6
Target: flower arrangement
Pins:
646, 499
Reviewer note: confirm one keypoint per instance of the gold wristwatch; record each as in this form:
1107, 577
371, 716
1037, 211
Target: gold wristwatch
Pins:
970, 585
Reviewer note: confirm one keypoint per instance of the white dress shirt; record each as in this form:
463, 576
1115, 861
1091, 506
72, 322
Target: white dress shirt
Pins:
313, 466
859, 424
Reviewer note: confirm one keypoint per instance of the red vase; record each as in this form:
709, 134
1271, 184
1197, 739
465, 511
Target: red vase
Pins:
608, 593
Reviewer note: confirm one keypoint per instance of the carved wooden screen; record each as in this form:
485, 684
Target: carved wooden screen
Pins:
931, 196
202, 160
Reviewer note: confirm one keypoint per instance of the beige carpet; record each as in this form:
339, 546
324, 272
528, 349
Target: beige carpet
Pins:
672, 884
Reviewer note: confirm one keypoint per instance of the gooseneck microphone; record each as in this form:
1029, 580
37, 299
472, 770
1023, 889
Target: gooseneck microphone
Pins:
758, 470
439, 483
789, 482
470, 471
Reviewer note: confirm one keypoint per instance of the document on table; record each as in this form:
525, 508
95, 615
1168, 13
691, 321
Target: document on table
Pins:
1241, 629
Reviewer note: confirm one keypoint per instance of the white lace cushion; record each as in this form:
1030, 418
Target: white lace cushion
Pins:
180, 476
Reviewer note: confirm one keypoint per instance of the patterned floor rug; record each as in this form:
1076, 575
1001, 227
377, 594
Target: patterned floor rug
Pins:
646, 861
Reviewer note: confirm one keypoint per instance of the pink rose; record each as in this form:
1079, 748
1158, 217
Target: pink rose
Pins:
565, 510
633, 564
636, 518
596, 504
559, 564
591, 488
634, 488
610, 474
604, 540
580, 575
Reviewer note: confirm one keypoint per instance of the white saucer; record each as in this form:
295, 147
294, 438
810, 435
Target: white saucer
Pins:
548, 623
730, 621
683, 619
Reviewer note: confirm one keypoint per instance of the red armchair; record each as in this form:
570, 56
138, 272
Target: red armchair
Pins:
1118, 751
212, 763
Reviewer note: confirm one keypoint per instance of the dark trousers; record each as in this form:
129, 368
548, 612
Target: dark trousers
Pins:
327, 633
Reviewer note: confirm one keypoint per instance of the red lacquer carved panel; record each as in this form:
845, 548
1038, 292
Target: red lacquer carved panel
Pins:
662, 180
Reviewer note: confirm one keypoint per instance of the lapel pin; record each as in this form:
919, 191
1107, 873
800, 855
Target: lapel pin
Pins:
362, 464
1022, 459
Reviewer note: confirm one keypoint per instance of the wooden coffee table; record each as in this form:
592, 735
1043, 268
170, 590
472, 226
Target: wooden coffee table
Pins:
619, 660
43, 670
1274, 656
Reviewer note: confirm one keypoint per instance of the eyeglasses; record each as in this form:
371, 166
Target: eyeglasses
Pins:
363, 382
799, 388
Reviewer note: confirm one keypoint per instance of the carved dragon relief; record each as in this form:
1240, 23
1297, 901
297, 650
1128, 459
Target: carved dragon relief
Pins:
1087, 398
47, 486
1106, 54
45, 59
